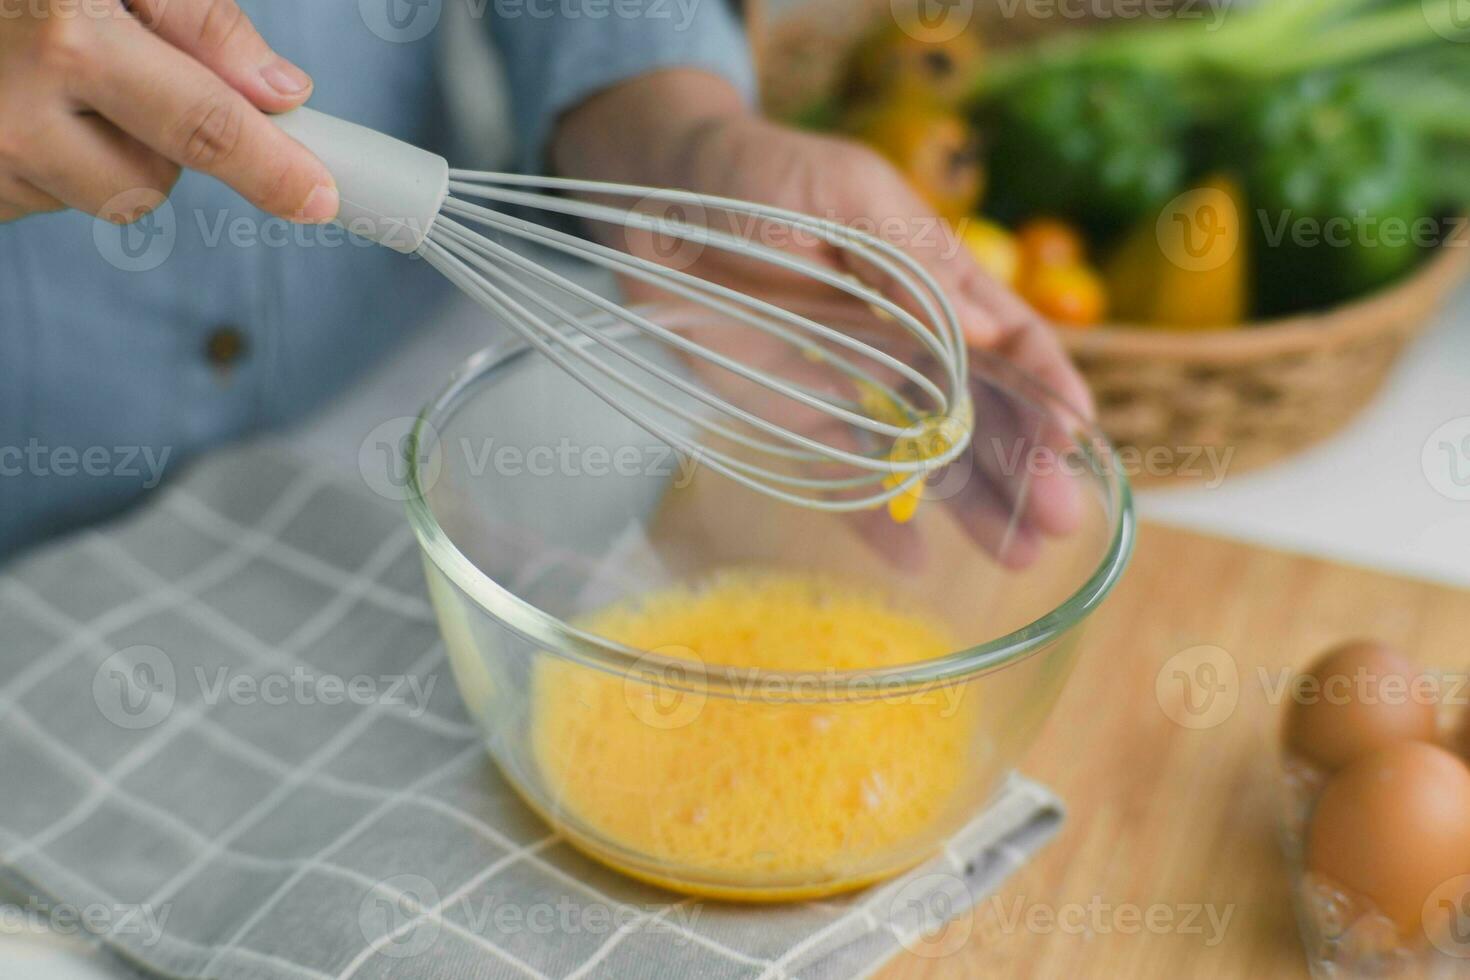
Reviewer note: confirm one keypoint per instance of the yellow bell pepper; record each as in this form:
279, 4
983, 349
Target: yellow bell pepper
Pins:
1188, 267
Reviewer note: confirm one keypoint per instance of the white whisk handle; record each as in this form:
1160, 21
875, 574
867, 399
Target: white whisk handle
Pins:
391, 190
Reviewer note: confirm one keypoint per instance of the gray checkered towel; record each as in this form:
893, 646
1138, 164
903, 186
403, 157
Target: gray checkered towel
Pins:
229, 747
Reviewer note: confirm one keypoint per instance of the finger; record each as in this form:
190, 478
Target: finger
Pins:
904, 221
1027, 341
90, 162
1021, 452
990, 519
23, 197
184, 111
13, 212
875, 191
219, 36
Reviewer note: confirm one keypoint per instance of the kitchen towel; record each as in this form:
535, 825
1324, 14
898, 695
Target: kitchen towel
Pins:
230, 747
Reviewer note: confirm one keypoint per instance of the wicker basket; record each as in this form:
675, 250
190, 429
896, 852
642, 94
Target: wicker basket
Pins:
1260, 393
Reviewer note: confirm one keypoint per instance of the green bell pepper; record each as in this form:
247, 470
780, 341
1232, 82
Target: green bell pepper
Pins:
1100, 145
1337, 187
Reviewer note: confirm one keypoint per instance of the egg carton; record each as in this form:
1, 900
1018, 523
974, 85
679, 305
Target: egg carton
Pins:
1344, 936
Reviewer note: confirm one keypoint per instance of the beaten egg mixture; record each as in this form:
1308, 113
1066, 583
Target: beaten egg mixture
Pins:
817, 795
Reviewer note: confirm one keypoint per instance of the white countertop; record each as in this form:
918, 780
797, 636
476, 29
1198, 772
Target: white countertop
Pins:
1369, 495
1366, 496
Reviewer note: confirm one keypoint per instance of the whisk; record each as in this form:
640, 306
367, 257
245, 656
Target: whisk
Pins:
896, 423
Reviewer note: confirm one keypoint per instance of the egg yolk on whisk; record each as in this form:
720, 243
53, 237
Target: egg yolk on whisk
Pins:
939, 433
755, 785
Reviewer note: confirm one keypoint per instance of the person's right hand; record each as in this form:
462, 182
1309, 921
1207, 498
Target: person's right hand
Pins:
98, 99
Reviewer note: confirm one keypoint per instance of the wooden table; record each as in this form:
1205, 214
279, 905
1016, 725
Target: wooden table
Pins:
1173, 821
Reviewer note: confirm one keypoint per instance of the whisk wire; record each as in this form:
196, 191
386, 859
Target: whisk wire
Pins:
944, 344
834, 233
674, 380
488, 271
654, 274
814, 450
683, 284
873, 427
548, 343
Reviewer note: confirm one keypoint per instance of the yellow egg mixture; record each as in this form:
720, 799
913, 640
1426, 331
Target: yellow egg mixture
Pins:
752, 787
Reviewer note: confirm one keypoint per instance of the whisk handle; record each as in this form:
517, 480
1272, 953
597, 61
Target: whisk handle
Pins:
391, 191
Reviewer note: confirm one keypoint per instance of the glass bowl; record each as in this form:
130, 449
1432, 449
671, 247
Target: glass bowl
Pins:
538, 508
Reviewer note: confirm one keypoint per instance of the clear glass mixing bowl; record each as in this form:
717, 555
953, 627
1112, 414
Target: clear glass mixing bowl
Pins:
536, 505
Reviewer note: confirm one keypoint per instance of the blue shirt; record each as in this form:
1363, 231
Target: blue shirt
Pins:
124, 351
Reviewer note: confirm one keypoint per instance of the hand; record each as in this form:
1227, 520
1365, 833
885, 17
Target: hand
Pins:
690, 130
98, 99
686, 129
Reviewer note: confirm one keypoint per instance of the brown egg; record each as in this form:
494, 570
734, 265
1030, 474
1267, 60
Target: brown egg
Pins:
1393, 827
1357, 697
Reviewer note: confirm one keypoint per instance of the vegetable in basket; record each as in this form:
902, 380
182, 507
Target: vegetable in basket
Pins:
934, 147
1186, 267
908, 60
1345, 122
1337, 187
1348, 120
1100, 145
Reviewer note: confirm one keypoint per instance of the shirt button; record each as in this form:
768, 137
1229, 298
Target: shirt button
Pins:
225, 347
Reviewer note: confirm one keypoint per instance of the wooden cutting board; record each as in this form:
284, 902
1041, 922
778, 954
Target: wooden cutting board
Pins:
1164, 819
